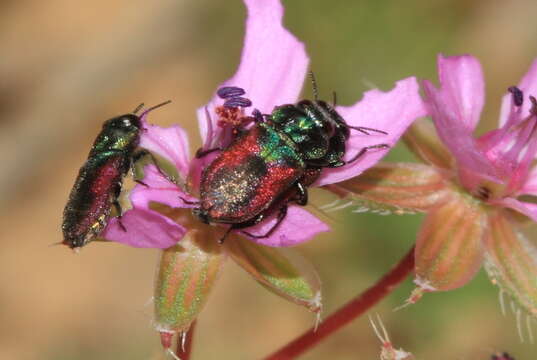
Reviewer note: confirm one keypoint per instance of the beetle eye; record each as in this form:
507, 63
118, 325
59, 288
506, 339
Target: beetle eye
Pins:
127, 122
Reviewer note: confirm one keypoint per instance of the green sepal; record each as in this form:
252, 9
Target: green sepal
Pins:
395, 188
511, 261
186, 275
450, 244
280, 270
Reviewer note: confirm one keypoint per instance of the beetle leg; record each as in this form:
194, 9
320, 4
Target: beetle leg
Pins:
189, 202
117, 206
281, 215
301, 195
141, 183
139, 154
366, 149
223, 238
365, 130
201, 153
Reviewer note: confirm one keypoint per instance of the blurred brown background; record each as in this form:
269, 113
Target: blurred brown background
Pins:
66, 66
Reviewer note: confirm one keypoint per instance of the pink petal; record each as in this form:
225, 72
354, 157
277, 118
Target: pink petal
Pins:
170, 143
530, 186
528, 85
528, 209
273, 63
145, 229
298, 226
159, 189
463, 88
458, 139
391, 111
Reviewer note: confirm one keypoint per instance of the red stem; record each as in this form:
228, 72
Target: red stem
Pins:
184, 353
348, 312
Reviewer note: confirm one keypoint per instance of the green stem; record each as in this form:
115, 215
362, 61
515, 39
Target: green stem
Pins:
348, 312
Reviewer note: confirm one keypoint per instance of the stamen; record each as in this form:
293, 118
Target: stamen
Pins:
228, 92
235, 102
518, 95
533, 109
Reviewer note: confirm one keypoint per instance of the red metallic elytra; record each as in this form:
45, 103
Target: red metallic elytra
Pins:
99, 181
271, 164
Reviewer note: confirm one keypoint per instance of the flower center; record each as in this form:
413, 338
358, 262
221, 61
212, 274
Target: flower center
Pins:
512, 148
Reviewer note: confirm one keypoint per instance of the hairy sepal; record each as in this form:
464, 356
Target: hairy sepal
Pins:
450, 245
186, 275
511, 261
280, 270
395, 187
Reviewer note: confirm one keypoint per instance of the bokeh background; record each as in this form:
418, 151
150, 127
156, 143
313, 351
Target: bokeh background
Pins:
65, 66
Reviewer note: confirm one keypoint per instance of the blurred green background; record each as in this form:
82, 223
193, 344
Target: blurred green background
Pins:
68, 65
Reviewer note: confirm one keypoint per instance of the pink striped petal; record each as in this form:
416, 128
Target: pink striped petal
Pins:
299, 226
273, 64
472, 162
159, 189
463, 89
391, 111
170, 143
526, 208
530, 186
145, 229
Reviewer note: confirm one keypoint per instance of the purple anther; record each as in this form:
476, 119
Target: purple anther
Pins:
518, 95
228, 92
237, 102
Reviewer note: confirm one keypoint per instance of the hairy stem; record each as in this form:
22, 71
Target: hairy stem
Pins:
184, 347
348, 312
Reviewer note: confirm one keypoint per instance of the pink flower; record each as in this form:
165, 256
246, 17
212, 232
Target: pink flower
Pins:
470, 186
272, 70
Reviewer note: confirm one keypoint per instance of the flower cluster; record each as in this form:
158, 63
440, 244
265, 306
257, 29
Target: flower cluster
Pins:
272, 71
476, 191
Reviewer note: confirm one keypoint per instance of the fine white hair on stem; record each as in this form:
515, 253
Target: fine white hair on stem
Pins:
502, 301
388, 352
172, 354
183, 339
519, 325
384, 338
342, 206
329, 205
529, 319
318, 320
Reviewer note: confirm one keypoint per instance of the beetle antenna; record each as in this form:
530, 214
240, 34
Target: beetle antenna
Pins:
334, 99
155, 107
314, 86
138, 108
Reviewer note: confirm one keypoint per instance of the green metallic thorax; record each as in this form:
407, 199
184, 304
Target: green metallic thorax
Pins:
309, 125
114, 140
276, 146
